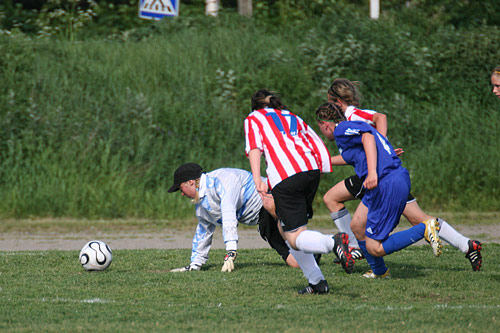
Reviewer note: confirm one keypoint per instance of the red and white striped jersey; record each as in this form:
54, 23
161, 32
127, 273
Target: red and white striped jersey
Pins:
352, 114
289, 145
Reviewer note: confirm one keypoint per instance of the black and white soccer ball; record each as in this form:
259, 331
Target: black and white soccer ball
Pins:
95, 256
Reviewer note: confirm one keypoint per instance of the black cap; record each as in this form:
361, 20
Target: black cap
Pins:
184, 173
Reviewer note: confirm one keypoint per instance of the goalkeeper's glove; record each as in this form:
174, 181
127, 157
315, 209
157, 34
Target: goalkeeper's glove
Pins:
229, 261
188, 268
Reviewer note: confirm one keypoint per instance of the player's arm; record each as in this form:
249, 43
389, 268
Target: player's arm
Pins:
201, 244
254, 158
338, 160
380, 121
228, 206
370, 148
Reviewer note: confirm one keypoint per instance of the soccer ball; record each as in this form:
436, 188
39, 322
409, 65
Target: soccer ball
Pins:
95, 256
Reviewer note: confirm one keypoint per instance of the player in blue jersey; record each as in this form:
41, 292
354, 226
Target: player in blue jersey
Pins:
344, 93
387, 185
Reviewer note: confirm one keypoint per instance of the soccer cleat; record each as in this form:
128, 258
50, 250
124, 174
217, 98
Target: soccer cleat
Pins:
432, 237
320, 288
341, 250
371, 275
356, 254
474, 254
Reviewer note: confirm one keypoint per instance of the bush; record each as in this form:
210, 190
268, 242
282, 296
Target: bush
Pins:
95, 127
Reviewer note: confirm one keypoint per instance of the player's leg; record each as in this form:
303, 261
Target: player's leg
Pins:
294, 208
268, 230
471, 248
334, 200
291, 209
358, 225
387, 203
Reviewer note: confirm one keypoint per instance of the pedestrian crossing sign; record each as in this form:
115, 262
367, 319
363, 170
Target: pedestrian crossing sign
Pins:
158, 9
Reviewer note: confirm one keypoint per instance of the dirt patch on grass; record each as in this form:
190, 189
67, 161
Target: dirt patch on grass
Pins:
174, 238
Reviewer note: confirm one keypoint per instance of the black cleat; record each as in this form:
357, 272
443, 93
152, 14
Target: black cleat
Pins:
320, 288
341, 250
356, 253
474, 255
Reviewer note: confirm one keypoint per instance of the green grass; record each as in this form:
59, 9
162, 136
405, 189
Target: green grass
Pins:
49, 291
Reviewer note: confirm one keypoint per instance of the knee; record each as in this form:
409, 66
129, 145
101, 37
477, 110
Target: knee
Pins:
358, 230
376, 251
292, 241
332, 203
291, 261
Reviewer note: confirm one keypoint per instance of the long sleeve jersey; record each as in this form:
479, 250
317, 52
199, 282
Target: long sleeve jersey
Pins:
227, 197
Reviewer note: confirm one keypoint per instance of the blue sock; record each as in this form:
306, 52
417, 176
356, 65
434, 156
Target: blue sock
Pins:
404, 238
377, 264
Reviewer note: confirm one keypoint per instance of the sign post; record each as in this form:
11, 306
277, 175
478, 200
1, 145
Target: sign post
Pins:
374, 9
158, 9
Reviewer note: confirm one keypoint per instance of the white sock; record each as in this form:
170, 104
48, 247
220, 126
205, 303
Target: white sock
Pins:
452, 236
342, 220
314, 242
309, 267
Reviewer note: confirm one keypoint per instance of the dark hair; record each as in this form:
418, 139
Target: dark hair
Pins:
345, 90
264, 98
330, 112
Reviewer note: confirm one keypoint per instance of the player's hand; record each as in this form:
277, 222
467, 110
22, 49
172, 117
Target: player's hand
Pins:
229, 261
371, 181
261, 187
188, 268
399, 151
268, 203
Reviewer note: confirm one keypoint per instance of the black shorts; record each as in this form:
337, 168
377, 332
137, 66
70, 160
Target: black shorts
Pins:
268, 230
355, 186
293, 199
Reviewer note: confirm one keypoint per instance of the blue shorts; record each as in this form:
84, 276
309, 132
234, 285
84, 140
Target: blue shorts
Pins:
386, 203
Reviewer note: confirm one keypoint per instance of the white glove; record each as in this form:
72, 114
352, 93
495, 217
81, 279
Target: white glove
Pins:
188, 268
229, 261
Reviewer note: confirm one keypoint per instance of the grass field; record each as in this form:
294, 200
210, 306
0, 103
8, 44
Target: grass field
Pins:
49, 291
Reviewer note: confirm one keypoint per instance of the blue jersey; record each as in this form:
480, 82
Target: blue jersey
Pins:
348, 136
385, 202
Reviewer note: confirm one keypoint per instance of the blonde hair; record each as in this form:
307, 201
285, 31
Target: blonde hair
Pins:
196, 198
346, 91
496, 71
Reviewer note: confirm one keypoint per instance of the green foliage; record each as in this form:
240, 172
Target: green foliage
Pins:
95, 126
49, 291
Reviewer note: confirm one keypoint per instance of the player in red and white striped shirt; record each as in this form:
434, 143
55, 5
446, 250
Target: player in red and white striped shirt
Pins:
295, 157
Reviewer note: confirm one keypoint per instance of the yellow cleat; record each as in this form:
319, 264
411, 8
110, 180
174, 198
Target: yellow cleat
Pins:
371, 275
432, 237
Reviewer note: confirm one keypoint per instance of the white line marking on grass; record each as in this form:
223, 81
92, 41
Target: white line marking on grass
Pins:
461, 307
24, 253
95, 300
385, 308
437, 306
91, 301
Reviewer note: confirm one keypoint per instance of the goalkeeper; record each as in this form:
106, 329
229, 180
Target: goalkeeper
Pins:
226, 197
